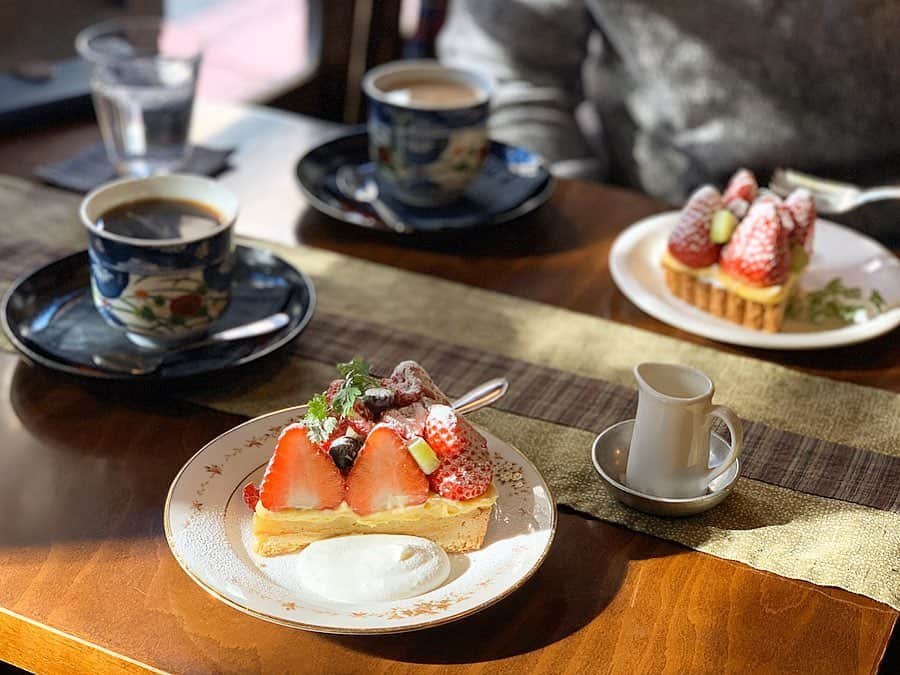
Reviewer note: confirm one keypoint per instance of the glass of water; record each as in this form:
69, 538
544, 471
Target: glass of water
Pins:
143, 80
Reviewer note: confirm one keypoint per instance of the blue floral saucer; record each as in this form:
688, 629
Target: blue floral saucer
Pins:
513, 182
50, 318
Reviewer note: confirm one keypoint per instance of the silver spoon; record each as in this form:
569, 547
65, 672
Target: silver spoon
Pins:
362, 188
481, 396
830, 196
144, 364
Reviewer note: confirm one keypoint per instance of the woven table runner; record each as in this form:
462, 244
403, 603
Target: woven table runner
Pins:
818, 496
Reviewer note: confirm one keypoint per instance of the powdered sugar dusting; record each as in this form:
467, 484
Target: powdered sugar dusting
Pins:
742, 186
465, 476
758, 252
739, 207
690, 242
801, 205
210, 531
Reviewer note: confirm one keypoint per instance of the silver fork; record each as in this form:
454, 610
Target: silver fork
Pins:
830, 196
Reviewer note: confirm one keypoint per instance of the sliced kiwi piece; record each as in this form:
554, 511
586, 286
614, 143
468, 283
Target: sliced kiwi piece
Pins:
723, 224
425, 457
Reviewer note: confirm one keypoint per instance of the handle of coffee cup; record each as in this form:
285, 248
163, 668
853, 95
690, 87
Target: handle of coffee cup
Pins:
736, 430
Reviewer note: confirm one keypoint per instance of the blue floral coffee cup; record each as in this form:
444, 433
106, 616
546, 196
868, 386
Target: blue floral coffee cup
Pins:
162, 285
427, 126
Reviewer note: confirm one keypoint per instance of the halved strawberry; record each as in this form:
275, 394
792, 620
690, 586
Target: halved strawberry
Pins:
300, 475
385, 475
449, 433
465, 476
690, 242
742, 185
251, 496
758, 252
803, 209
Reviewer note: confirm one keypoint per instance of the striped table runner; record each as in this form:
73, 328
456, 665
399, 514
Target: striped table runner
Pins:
819, 496
803, 463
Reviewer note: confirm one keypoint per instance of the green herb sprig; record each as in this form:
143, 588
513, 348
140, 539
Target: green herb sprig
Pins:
321, 418
319, 424
357, 378
835, 301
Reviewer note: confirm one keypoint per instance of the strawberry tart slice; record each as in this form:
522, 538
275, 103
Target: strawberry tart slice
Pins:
386, 456
739, 255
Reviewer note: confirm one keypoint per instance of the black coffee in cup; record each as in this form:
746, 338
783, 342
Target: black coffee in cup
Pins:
160, 219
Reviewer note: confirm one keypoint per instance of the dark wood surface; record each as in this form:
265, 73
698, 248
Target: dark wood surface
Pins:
89, 584
560, 254
557, 255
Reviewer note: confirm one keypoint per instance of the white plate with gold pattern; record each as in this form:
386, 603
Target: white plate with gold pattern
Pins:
634, 262
208, 528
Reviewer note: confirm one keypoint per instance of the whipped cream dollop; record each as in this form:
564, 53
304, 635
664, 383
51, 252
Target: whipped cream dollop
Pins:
372, 567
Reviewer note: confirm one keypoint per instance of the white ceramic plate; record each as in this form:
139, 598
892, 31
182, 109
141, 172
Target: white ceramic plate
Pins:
208, 529
839, 252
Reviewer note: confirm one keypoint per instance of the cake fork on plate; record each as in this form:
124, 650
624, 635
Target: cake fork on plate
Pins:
830, 196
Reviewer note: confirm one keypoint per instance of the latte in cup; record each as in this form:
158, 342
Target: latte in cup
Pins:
427, 128
425, 93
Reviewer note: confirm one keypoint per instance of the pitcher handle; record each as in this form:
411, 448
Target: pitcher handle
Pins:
731, 420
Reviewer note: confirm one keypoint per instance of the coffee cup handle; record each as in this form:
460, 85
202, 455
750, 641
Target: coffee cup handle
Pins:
736, 430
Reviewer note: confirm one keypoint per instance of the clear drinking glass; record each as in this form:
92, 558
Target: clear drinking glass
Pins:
143, 79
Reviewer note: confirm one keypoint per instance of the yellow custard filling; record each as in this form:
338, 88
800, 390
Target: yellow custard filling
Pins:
768, 295
435, 507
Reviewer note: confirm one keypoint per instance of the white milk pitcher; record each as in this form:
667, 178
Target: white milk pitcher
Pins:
669, 453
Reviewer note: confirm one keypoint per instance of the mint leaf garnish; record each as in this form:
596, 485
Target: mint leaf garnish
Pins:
357, 378
834, 301
356, 373
317, 422
343, 400
321, 418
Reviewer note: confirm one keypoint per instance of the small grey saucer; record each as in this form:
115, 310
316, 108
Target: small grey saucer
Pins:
610, 456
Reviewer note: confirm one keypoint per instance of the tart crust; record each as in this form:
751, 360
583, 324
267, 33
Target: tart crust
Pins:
724, 303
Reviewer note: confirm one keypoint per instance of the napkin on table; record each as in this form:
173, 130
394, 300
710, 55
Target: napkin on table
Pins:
87, 169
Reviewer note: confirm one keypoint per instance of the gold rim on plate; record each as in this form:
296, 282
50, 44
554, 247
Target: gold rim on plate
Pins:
213, 591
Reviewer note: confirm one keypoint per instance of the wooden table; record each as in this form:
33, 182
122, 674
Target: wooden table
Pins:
89, 584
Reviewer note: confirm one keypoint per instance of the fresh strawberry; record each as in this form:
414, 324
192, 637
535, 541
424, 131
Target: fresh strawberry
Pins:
251, 496
410, 383
339, 431
803, 209
738, 207
465, 476
689, 242
784, 212
385, 475
758, 252
741, 186
408, 421
300, 475
786, 217
361, 420
767, 196
333, 389
449, 433
361, 425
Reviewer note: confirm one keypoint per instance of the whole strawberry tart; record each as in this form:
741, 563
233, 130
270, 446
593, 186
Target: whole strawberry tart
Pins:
739, 254
375, 455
